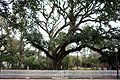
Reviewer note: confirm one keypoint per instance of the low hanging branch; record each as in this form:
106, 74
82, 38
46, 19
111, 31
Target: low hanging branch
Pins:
74, 49
42, 49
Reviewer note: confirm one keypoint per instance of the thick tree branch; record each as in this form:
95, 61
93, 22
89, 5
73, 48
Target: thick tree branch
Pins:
42, 49
94, 20
60, 29
74, 49
42, 27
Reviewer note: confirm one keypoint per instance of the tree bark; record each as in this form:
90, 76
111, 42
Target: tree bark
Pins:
56, 65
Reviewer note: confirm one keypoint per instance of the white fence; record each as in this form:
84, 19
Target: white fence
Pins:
58, 73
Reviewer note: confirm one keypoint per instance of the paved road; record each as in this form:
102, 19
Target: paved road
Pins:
17, 74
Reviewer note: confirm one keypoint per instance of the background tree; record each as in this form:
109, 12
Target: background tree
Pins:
4, 33
34, 60
71, 62
108, 56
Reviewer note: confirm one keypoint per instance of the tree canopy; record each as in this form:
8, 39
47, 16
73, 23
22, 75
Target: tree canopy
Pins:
63, 22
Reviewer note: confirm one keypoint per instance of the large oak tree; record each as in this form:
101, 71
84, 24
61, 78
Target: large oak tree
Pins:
62, 21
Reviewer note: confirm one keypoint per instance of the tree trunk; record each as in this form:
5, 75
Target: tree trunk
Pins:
56, 64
